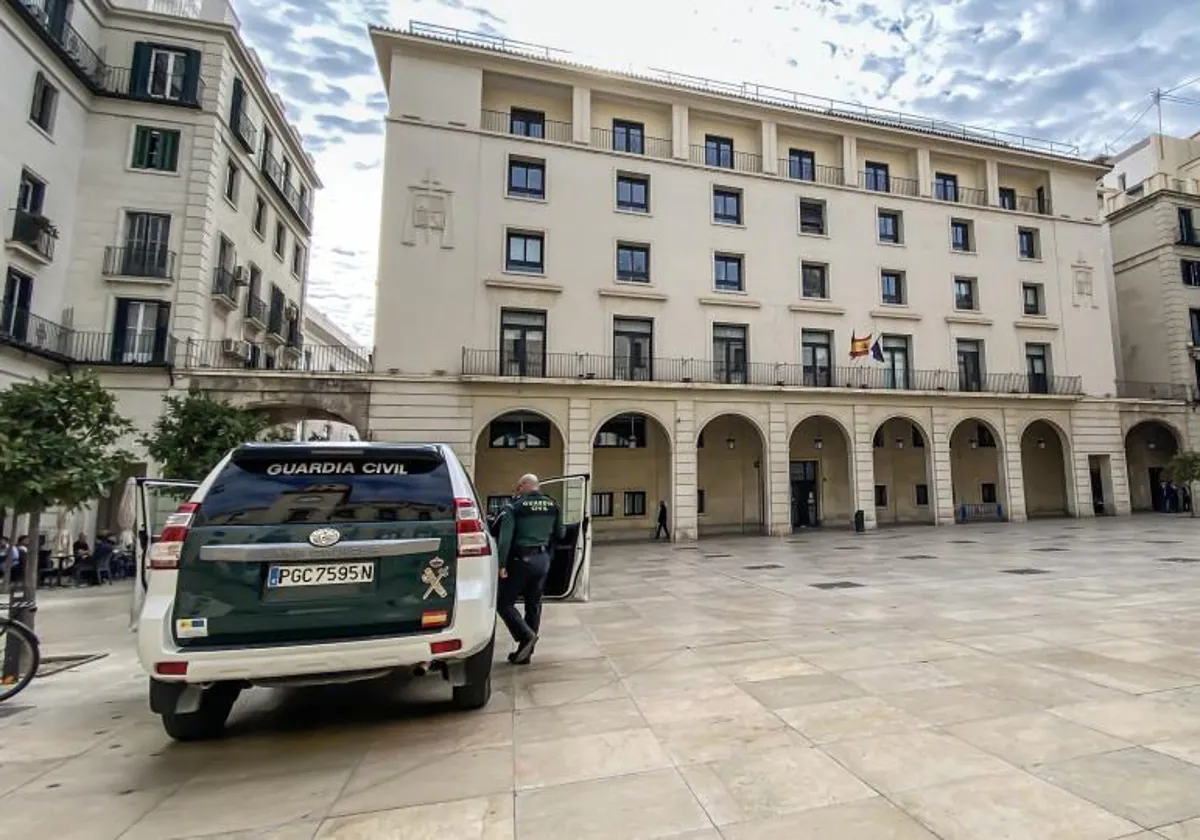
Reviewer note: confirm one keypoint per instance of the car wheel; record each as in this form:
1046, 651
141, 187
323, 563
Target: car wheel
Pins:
477, 690
208, 721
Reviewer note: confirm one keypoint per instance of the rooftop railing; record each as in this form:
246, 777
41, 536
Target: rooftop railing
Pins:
1152, 391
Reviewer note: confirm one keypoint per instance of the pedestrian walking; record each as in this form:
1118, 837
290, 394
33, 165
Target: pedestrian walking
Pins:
662, 522
529, 530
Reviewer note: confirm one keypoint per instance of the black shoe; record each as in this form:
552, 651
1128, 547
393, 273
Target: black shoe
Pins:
525, 651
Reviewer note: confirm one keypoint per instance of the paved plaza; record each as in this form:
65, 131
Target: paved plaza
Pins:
965, 683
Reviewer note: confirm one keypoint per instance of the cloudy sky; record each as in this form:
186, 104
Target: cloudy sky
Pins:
1078, 71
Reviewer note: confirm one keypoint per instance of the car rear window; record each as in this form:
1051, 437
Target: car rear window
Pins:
274, 486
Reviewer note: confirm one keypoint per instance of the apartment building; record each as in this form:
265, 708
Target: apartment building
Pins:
160, 205
1151, 200
765, 310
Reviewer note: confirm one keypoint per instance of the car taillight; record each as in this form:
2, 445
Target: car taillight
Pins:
472, 533
165, 553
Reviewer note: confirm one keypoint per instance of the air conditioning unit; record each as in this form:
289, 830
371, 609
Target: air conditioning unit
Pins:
236, 347
241, 276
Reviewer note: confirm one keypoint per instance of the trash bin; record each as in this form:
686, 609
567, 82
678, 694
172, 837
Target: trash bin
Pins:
860, 522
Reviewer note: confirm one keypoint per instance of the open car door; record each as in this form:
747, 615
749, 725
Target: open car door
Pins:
145, 506
570, 567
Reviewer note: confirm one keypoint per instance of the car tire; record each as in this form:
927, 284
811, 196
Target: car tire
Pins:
477, 690
207, 722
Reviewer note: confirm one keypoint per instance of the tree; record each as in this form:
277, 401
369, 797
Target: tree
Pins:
58, 448
195, 432
1184, 470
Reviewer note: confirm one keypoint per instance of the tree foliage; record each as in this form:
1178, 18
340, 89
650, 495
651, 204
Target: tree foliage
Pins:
195, 432
1184, 469
58, 442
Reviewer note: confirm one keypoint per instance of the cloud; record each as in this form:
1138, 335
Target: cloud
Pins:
333, 123
361, 166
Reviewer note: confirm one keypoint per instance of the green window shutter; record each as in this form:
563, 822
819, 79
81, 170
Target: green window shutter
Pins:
170, 151
141, 143
235, 107
139, 73
119, 326
191, 77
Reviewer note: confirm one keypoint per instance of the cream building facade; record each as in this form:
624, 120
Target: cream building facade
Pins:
1151, 201
657, 280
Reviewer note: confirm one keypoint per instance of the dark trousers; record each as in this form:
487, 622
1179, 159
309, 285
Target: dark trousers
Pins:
526, 579
662, 529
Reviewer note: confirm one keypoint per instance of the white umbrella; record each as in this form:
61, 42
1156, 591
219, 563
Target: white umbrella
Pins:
127, 512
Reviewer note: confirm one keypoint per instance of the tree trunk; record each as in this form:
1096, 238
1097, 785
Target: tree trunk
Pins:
24, 607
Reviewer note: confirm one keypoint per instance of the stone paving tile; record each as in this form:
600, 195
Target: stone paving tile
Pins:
481, 818
797, 691
1139, 720
383, 780
1035, 738
588, 756
1187, 830
552, 722
867, 819
917, 759
856, 717
725, 738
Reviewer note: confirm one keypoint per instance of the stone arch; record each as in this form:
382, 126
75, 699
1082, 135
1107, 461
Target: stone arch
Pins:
292, 396
1049, 488
649, 413
631, 468
556, 422
757, 422
903, 478
978, 470
821, 472
731, 479
501, 459
1150, 443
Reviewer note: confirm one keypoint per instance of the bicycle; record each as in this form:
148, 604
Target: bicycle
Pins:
20, 655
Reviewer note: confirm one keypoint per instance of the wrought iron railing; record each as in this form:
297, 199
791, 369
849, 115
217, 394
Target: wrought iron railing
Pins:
502, 122
225, 284
725, 158
655, 147
35, 232
58, 32
150, 349
980, 512
891, 184
139, 261
591, 366
960, 195
256, 309
21, 328
245, 129
1032, 204
1152, 390
277, 176
177, 89
196, 354
799, 170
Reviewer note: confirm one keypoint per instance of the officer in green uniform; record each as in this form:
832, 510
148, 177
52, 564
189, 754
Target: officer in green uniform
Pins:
529, 529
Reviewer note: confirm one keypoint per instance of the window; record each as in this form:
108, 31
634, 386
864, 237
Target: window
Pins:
226, 255
727, 206
729, 353
1008, 198
633, 193
918, 441
168, 70
896, 368
524, 253
155, 148
970, 365
987, 492
875, 176
1189, 268
1194, 318
814, 280
984, 437
1027, 243
1187, 228
633, 263
31, 195
892, 287
1031, 299
602, 504
889, 227
945, 187
280, 239
922, 495
522, 342
718, 151
527, 123
495, 504
815, 354
881, 496
625, 431
43, 106
633, 349
18, 297
802, 165
232, 178
278, 306
727, 273
961, 238
140, 332
147, 240
700, 502
519, 431
812, 217
298, 257
629, 137
635, 503
260, 215
526, 178
964, 294
1037, 364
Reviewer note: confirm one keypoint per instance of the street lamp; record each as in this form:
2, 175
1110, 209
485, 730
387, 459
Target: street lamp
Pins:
730, 442
818, 443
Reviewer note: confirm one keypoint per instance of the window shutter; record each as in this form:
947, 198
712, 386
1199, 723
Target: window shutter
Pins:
170, 150
139, 73
162, 327
119, 326
141, 140
191, 77
235, 107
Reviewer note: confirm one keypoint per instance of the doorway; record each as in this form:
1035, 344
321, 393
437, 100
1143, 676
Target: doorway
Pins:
1156, 494
805, 478
18, 297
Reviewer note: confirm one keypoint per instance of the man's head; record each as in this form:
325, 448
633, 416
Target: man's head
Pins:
23, 539
528, 483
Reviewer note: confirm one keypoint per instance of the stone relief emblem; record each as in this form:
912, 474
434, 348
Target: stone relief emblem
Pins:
1083, 286
430, 214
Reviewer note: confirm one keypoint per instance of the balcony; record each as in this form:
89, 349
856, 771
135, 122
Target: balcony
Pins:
502, 122
876, 182
597, 367
725, 159
34, 235
655, 147
960, 195
256, 311
299, 204
245, 130
22, 329
149, 261
800, 170
1027, 204
1165, 391
48, 20
225, 287
176, 89
335, 358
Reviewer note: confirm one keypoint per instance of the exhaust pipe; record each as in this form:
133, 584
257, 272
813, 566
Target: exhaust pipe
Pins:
420, 669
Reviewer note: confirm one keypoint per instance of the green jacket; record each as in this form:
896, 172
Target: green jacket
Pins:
531, 519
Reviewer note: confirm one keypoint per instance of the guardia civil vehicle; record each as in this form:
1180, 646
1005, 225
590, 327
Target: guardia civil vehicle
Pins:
300, 564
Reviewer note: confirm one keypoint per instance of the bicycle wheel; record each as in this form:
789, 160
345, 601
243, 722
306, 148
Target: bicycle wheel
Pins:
20, 657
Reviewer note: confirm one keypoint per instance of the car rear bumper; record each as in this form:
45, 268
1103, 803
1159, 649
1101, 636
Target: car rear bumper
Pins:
474, 626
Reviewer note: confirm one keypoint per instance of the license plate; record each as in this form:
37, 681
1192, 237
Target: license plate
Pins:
320, 574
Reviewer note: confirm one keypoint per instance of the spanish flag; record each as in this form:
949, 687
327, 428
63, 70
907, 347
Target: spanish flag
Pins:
860, 347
